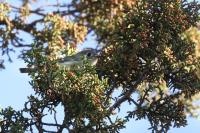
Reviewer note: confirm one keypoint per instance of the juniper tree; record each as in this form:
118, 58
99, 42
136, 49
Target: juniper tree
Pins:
150, 51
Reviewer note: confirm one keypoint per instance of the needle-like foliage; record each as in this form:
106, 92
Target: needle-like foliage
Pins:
150, 56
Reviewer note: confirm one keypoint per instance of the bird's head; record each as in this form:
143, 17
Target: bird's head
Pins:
89, 54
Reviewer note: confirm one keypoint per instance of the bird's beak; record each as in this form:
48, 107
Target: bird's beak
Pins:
98, 53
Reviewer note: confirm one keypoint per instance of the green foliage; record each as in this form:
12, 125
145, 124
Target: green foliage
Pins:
80, 92
148, 43
13, 121
150, 49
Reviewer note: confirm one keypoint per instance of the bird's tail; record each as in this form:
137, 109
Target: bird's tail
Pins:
25, 70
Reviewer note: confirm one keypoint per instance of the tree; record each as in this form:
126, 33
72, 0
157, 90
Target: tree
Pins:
150, 49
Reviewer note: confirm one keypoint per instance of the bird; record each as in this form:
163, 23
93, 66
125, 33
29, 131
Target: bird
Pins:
89, 54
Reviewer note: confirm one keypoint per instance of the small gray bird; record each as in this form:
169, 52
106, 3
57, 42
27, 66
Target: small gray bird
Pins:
89, 54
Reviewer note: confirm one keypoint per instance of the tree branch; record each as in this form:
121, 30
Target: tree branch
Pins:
127, 94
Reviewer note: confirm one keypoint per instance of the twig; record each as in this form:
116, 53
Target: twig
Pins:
127, 94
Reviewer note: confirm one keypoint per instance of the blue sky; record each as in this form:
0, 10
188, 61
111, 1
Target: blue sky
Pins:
15, 88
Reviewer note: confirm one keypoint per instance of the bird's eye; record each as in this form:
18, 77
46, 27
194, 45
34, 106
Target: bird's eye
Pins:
89, 54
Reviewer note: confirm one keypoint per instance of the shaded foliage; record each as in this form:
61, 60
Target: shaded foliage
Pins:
150, 49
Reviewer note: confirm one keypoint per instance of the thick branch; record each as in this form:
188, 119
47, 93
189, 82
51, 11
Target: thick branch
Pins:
127, 94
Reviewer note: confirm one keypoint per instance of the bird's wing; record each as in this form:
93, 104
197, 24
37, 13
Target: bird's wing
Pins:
66, 59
